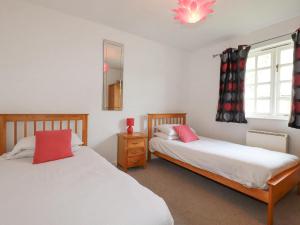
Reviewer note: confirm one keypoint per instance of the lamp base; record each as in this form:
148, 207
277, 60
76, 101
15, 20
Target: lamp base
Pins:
130, 130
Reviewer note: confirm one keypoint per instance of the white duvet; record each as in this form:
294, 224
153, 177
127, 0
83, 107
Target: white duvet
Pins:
249, 166
81, 190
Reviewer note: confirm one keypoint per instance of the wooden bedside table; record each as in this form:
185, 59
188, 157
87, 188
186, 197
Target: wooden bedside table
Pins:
131, 150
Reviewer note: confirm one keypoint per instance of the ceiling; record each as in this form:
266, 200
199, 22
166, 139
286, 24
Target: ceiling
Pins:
153, 19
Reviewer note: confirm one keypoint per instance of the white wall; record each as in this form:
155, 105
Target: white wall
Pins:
202, 87
52, 63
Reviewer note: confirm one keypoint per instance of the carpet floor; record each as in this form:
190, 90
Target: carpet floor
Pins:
195, 200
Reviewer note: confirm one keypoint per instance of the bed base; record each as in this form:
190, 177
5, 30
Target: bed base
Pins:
279, 185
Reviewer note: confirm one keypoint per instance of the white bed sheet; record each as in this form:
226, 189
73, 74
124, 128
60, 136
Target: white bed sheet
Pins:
249, 166
81, 190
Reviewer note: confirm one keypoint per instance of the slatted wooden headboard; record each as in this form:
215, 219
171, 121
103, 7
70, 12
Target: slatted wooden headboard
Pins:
164, 118
25, 119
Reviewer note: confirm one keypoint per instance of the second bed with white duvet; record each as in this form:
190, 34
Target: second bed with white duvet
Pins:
249, 166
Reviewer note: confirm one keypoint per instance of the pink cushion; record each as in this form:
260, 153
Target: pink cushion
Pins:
185, 133
52, 145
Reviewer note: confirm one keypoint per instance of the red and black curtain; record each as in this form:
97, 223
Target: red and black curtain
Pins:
231, 92
295, 114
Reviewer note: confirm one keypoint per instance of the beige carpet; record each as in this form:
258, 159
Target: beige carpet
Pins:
194, 200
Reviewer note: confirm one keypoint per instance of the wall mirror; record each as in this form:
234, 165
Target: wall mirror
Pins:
113, 63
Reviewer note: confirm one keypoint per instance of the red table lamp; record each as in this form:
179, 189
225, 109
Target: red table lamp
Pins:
130, 124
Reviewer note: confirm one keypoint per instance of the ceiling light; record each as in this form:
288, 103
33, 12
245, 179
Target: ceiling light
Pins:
192, 11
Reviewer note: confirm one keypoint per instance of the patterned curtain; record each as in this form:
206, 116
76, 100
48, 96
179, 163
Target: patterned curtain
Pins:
295, 114
231, 93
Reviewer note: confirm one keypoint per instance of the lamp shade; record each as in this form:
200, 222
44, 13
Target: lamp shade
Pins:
130, 121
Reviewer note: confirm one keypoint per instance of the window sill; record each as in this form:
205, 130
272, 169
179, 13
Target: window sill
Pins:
266, 117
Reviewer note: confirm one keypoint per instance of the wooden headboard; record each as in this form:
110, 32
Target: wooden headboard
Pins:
40, 119
164, 118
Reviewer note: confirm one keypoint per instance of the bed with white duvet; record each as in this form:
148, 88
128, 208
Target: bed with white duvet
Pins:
81, 190
249, 166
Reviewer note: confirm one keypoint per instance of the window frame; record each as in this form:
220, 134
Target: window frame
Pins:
275, 50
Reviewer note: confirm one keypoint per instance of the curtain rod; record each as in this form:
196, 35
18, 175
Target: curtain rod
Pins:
259, 42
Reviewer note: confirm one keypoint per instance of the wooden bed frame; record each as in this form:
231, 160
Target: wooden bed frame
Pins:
279, 185
16, 119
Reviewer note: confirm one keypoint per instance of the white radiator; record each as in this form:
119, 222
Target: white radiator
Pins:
269, 140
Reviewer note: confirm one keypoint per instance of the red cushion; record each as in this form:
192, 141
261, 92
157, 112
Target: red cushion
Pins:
52, 145
185, 133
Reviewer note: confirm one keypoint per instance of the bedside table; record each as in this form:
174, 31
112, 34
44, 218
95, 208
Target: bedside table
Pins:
131, 150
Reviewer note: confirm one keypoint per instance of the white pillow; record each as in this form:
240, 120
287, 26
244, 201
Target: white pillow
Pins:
22, 154
169, 130
29, 153
28, 143
76, 140
164, 136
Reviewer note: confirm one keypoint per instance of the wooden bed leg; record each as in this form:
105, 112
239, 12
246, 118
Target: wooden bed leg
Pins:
270, 213
271, 205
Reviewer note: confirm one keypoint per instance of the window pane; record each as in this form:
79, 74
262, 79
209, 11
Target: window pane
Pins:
286, 73
286, 56
250, 63
249, 106
250, 77
285, 89
263, 75
264, 61
263, 106
250, 91
263, 90
285, 106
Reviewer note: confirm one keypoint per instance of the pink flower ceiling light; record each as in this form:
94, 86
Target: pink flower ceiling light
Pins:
192, 11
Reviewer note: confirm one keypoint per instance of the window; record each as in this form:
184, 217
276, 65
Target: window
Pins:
268, 84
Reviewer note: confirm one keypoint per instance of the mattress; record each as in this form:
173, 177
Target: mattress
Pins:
249, 166
81, 190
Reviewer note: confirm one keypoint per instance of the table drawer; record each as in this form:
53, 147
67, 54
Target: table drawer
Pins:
136, 151
136, 143
136, 161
